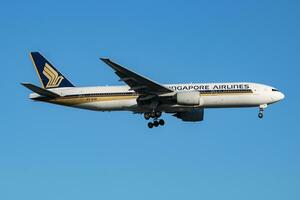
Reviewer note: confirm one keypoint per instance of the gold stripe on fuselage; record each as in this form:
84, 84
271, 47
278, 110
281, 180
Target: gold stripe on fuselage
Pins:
70, 101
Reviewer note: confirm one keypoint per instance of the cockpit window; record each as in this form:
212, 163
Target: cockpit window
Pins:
275, 90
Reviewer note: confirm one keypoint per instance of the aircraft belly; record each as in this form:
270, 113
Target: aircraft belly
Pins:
243, 100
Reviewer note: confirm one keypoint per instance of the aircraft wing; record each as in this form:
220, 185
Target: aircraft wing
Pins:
136, 82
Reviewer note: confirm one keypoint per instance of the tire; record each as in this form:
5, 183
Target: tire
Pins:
150, 125
260, 115
147, 116
155, 123
157, 114
161, 122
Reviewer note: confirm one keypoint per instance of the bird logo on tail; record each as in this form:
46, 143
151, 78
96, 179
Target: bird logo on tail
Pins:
54, 79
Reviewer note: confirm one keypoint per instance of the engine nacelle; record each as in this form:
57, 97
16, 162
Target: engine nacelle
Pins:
191, 116
189, 98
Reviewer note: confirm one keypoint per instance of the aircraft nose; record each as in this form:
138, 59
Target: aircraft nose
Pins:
281, 96
277, 96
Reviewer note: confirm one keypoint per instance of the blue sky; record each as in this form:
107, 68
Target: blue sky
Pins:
52, 152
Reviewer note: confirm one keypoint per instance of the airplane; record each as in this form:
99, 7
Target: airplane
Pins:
144, 96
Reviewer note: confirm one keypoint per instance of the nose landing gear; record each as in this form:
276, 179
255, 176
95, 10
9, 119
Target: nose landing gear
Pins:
261, 110
156, 121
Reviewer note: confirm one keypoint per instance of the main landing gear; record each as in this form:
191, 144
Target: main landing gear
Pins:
261, 110
156, 121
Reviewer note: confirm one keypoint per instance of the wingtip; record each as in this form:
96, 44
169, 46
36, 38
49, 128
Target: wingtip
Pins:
104, 59
24, 83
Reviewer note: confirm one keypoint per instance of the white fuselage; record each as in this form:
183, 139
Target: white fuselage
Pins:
214, 95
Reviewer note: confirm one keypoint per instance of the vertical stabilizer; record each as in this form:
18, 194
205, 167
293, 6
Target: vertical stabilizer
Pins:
49, 76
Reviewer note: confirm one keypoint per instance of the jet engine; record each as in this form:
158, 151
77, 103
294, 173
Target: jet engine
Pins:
192, 98
191, 116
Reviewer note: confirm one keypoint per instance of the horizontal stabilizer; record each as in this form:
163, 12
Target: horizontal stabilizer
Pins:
40, 91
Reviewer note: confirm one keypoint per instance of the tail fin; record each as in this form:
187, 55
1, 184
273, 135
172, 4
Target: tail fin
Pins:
49, 76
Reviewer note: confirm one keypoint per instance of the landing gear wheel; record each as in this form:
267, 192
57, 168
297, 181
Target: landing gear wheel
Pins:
150, 125
147, 116
155, 123
261, 110
161, 122
157, 114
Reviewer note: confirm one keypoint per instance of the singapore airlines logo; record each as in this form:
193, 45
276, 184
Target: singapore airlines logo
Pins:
53, 78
